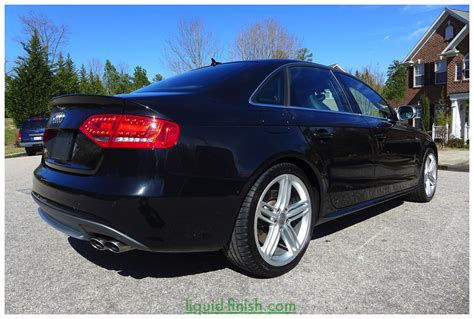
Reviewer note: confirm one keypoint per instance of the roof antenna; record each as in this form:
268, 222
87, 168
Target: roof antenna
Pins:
214, 62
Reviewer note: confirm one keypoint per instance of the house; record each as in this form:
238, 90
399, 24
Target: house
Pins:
438, 67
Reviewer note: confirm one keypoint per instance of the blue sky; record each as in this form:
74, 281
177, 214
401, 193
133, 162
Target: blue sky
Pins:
352, 36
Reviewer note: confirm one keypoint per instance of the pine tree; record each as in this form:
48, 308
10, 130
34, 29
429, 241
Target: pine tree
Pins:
30, 85
111, 79
65, 80
395, 87
84, 85
158, 77
304, 55
140, 78
95, 84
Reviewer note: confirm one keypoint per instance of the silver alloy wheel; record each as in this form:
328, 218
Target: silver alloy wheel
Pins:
283, 220
430, 175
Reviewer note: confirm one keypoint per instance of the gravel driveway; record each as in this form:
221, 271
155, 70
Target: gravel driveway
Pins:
395, 258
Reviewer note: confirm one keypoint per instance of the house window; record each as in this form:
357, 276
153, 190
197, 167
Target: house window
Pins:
440, 72
419, 74
448, 32
466, 66
458, 72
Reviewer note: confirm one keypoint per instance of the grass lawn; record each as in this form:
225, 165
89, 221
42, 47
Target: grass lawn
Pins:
11, 132
11, 135
12, 149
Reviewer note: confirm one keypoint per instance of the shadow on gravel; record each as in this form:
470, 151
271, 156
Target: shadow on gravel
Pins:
355, 218
140, 264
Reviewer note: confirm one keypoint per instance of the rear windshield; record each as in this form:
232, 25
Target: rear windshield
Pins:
197, 79
34, 124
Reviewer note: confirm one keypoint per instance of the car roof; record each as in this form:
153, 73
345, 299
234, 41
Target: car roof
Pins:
278, 62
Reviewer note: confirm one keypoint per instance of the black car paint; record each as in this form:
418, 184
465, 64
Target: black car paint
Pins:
186, 198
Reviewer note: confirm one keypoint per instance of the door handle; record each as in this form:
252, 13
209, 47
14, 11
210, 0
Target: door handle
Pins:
323, 134
380, 136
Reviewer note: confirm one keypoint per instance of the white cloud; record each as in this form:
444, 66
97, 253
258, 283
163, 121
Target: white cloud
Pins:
385, 38
417, 33
419, 8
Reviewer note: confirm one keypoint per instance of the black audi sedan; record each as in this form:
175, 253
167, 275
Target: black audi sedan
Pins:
243, 157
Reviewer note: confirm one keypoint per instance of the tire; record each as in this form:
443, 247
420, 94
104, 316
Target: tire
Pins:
421, 194
250, 248
30, 151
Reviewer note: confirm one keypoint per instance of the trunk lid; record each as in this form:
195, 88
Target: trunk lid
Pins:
66, 148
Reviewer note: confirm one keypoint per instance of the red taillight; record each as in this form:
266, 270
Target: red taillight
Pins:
130, 131
49, 134
19, 136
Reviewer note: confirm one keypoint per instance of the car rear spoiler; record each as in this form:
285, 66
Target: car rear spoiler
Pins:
94, 100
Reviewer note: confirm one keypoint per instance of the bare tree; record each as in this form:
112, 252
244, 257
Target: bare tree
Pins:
372, 76
96, 67
191, 47
52, 36
265, 40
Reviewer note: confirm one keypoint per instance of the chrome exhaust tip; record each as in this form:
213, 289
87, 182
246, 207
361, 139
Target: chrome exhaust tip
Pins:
98, 243
116, 246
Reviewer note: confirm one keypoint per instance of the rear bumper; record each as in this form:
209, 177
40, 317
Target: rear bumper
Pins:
84, 206
31, 144
77, 227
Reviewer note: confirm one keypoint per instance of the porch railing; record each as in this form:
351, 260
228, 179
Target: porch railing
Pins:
440, 133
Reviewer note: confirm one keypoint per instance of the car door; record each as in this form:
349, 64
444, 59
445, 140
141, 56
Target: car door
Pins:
397, 149
339, 140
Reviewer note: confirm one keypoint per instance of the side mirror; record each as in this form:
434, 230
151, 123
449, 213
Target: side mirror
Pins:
406, 112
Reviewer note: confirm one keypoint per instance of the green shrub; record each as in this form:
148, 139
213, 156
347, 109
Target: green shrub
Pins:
425, 113
455, 143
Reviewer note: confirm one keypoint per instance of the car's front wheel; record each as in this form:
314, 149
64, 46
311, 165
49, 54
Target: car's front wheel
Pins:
275, 222
428, 179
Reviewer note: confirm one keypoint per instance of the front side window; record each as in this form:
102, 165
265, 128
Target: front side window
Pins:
369, 102
272, 92
317, 89
419, 74
441, 74
466, 66
458, 71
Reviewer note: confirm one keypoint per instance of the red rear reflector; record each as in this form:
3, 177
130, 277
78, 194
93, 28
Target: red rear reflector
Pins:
19, 136
130, 131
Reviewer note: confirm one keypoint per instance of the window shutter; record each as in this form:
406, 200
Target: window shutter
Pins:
432, 73
427, 74
410, 77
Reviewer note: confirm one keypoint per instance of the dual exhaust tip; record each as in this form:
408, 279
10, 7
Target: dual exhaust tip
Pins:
114, 246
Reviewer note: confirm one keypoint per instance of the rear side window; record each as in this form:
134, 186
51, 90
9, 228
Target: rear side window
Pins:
316, 88
272, 92
369, 102
35, 124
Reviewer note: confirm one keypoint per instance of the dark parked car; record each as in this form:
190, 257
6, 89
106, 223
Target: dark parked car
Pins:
243, 157
30, 135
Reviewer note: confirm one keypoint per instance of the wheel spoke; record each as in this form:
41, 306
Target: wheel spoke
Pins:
290, 239
271, 242
432, 166
297, 210
284, 193
432, 179
427, 188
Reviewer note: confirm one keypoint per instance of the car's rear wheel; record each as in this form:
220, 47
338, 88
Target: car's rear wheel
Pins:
429, 180
275, 222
